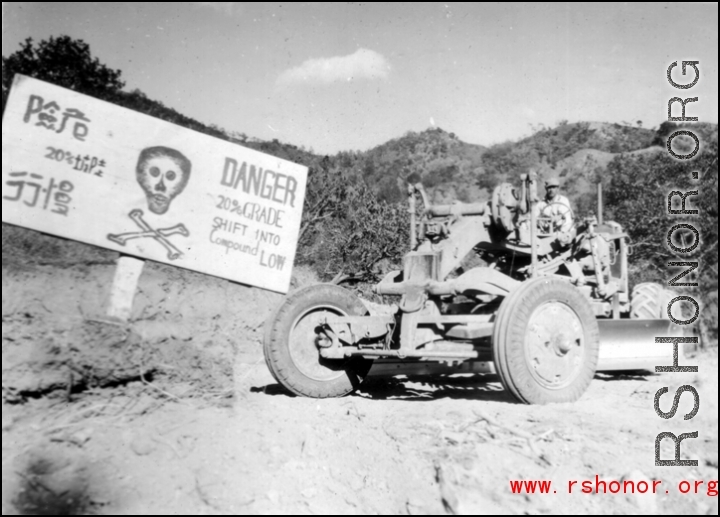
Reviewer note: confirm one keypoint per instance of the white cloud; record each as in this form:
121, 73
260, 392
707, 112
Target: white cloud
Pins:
363, 64
223, 7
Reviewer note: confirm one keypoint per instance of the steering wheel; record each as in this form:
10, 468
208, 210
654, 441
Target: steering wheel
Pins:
554, 222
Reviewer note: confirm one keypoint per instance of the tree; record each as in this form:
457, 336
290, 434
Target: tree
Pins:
347, 232
367, 237
62, 61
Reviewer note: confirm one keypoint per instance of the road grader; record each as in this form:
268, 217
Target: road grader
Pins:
547, 309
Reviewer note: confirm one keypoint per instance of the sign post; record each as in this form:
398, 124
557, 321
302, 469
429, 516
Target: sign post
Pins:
122, 293
91, 171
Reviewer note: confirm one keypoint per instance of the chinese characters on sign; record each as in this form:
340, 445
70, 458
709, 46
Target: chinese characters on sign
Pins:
87, 164
28, 189
45, 113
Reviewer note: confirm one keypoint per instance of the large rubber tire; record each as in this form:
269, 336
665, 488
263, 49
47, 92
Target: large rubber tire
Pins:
290, 346
649, 301
546, 342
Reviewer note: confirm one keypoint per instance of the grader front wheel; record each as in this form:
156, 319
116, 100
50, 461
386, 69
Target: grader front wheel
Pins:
291, 343
545, 342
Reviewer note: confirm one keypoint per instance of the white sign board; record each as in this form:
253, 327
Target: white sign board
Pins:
94, 172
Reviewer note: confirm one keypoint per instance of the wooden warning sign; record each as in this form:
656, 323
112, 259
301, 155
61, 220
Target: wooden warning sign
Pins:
91, 171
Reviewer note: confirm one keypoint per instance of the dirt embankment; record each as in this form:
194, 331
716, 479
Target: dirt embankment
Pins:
177, 413
185, 328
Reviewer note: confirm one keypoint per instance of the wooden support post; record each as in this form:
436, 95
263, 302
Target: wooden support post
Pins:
124, 285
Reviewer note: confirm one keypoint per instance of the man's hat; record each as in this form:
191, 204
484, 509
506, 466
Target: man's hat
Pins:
552, 181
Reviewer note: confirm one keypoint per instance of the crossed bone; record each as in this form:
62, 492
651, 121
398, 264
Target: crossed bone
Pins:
159, 235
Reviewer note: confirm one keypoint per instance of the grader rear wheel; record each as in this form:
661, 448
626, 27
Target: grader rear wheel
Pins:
649, 301
290, 344
545, 342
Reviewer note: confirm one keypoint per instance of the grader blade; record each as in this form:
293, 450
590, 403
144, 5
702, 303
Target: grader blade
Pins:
629, 344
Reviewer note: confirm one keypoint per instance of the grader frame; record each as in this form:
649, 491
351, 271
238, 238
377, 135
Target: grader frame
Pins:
547, 310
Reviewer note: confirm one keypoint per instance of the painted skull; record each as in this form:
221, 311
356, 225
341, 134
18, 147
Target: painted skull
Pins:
162, 173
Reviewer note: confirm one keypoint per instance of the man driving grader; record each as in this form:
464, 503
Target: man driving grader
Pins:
553, 215
549, 307
555, 205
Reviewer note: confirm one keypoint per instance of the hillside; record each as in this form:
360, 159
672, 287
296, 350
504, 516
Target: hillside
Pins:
452, 169
578, 153
448, 167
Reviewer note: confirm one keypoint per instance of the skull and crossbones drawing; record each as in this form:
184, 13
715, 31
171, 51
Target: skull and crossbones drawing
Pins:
160, 235
162, 173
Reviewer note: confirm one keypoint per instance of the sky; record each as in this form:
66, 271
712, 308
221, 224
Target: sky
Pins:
350, 76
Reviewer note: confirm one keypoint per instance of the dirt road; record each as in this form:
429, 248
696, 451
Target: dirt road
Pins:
174, 441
